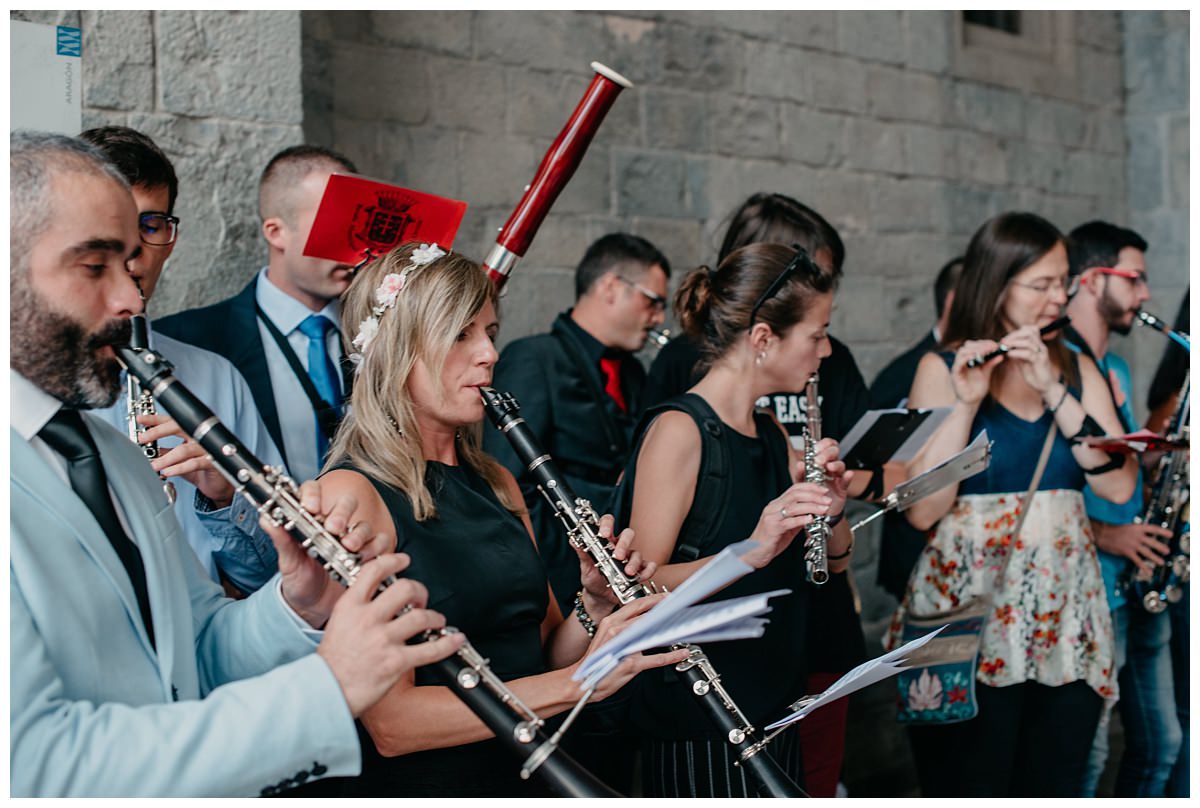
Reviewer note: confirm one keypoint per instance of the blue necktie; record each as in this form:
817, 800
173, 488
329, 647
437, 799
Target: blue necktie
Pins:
322, 371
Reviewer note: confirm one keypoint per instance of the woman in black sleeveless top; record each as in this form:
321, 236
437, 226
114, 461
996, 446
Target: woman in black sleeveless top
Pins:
409, 450
762, 317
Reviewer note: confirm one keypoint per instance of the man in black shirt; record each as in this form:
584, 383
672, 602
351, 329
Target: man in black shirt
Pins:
580, 387
902, 543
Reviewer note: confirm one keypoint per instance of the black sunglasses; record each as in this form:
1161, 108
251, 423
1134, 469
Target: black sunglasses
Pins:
798, 262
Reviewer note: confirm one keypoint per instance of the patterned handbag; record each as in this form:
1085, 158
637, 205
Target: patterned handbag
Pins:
938, 687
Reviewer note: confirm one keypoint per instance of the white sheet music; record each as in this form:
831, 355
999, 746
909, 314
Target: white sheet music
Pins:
672, 621
866, 674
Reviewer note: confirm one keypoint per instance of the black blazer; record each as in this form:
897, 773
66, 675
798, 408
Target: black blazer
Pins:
230, 328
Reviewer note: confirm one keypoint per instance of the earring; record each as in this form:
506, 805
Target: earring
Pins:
758, 360
392, 421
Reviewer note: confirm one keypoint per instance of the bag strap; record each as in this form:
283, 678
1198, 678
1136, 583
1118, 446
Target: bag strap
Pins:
327, 417
713, 481
1027, 502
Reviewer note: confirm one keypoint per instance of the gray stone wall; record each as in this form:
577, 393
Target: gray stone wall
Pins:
868, 116
220, 93
1157, 125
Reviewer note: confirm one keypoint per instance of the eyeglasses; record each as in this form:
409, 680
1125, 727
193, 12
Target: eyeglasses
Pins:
657, 301
1069, 286
158, 229
1127, 274
798, 262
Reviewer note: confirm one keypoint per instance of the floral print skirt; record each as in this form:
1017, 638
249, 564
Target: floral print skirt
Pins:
1049, 621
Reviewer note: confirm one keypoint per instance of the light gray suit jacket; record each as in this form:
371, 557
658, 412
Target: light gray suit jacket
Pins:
232, 702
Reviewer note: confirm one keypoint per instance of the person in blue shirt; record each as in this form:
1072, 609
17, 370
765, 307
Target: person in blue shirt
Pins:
228, 548
1109, 265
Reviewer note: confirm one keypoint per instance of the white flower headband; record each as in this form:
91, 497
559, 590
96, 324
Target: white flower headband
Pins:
385, 296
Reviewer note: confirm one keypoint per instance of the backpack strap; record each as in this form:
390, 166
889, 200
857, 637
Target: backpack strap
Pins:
713, 481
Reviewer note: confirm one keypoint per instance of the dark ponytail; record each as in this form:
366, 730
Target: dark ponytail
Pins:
714, 307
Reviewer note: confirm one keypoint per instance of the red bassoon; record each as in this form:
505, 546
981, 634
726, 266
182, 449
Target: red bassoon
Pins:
554, 173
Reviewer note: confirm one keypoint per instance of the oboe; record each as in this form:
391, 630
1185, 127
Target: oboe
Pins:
582, 525
138, 401
277, 497
818, 531
555, 171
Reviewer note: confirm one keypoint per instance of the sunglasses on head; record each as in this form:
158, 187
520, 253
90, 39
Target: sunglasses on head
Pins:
801, 262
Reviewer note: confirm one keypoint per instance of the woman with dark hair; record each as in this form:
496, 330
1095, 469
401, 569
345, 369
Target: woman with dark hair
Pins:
409, 449
833, 638
762, 315
1045, 665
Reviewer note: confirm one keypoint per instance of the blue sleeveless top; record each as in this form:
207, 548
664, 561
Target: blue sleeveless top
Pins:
1016, 445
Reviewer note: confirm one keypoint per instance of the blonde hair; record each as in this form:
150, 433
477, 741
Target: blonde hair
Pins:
380, 435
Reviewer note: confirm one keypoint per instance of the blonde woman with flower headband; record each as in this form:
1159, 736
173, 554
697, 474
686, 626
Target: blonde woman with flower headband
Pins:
409, 449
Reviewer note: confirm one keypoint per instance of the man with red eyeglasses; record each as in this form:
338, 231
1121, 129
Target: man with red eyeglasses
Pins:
1108, 268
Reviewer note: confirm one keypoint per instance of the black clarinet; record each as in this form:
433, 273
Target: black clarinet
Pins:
277, 496
582, 526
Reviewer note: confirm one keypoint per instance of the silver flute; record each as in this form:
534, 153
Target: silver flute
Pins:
139, 401
277, 497
583, 531
818, 531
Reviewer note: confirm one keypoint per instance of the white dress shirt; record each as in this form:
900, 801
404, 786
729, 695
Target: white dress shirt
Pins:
297, 421
246, 555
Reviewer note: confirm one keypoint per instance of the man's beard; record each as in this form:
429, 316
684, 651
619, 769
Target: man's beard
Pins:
54, 352
1114, 314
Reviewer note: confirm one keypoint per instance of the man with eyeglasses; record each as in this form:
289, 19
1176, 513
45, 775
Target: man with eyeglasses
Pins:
1108, 281
581, 391
231, 552
580, 387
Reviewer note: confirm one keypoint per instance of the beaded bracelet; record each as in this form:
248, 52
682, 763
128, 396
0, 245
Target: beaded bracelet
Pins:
585, 619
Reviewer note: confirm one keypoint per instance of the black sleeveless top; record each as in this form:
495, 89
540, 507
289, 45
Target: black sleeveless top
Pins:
484, 574
762, 675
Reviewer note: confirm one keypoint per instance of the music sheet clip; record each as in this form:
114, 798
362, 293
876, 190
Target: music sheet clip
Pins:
970, 461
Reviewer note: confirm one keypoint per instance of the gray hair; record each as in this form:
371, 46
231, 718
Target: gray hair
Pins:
34, 158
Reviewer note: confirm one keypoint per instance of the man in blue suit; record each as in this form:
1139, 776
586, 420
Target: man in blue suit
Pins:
283, 331
130, 673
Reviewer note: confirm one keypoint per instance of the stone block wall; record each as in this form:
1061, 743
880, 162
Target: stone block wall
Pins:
867, 116
1157, 124
220, 92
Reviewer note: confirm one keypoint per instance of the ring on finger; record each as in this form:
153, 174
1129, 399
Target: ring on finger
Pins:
783, 512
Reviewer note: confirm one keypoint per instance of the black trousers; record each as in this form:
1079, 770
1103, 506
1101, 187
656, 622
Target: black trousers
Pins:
1029, 740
